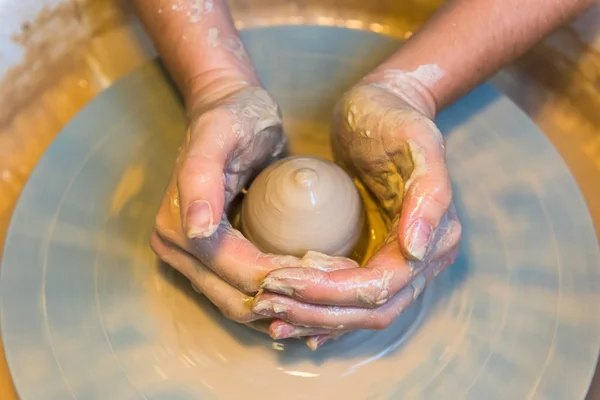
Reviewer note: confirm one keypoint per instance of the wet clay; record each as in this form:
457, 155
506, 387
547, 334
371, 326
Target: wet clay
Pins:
301, 204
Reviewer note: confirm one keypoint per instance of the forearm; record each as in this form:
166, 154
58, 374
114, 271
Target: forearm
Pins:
468, 40
198, 43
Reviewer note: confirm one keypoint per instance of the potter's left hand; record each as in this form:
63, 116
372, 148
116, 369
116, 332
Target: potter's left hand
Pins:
384, 134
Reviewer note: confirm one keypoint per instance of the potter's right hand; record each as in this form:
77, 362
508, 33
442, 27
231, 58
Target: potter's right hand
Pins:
235, 131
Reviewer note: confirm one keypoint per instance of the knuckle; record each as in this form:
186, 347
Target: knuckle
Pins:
191, 164
234, 314
162, 227
440, 178
163, 255
441, 194
156, 250
202, 121
229, 314
160, 231
249, 286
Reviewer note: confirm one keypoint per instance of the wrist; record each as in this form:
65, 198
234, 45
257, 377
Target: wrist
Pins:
208, 87
405, 85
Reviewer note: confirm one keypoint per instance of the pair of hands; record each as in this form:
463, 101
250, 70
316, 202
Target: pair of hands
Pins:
382, 134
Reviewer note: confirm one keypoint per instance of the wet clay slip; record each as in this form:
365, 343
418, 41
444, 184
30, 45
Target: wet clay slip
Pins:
303, 203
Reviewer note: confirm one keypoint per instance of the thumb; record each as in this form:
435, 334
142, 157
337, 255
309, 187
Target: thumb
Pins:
428, 192
200, 179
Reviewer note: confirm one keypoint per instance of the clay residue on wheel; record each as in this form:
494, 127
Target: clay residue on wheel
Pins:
54, 42
71, 53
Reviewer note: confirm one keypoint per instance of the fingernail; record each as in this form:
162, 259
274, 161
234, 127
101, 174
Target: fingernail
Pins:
314, 342
199, 220
417, 239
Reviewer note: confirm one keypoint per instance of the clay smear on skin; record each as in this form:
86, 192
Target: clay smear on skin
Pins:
419, 161
263, 305
399, 82
418, 285
194, 11
383, 295
212, 37
254, 110
406, 83
198, 8
231, 43
254, 113
428, 74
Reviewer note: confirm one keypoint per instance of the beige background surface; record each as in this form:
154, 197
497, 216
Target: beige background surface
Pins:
55, 60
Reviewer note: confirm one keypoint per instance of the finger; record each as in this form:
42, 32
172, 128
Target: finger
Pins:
226, 252
232, 303
179, 260
200, 177
447, 235
371, 286
279, 329
428, 192
386, 273
315, 337
344, 318
260, 325
230, 255
314, 342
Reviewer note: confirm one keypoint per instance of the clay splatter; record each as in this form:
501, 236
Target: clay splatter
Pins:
213, 37
235, 46
198, 8
428, 74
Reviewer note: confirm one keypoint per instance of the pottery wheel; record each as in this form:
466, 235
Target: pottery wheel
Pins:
89, 313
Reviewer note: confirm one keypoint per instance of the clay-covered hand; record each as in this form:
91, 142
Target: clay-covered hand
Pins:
233, 134
384, 134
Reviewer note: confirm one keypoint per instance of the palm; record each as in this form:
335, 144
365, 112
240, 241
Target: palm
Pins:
373, 137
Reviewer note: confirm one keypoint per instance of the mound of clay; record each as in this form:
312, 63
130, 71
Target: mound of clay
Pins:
303, 203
